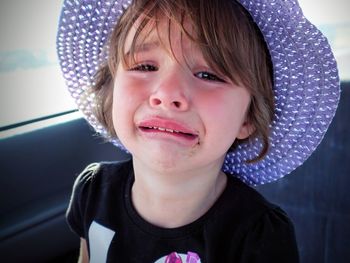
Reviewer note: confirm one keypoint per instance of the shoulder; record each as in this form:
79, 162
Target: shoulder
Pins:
254, 208
241, 206
96, 184
102, 173
264, 229
98, 181
249, 200
271, 236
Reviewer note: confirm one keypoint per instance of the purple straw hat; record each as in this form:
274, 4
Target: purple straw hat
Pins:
306, 81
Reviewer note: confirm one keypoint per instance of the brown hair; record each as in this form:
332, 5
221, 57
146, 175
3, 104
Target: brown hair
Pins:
230, 41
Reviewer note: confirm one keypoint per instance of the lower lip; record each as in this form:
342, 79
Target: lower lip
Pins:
180, 138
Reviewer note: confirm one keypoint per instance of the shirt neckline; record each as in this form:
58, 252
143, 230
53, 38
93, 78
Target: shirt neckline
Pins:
178, 232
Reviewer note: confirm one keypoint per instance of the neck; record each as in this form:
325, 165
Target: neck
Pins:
175, 198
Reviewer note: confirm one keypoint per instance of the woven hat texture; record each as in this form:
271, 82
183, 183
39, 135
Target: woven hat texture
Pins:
306, 81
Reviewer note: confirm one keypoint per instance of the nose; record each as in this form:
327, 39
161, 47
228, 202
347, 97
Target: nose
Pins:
171, 92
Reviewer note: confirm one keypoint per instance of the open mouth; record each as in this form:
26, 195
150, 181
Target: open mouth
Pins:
168, 131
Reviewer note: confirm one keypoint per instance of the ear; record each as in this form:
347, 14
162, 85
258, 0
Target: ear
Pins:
246, 130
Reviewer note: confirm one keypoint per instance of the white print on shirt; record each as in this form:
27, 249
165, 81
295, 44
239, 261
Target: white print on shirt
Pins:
100, 238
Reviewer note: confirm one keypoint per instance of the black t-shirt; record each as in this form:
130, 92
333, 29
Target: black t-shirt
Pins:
240, 227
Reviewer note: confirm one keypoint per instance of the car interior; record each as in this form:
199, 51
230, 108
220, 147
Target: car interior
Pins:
38, 169
41, 157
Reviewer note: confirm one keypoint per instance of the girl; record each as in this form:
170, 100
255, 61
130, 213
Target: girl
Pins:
196, 91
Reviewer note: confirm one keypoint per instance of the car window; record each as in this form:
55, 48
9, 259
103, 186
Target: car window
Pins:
30, 78
332, 18
31, 83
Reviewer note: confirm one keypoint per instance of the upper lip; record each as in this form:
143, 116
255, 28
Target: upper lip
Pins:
165, 124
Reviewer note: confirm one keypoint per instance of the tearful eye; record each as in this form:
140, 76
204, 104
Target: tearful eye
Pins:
208, 76
144, 67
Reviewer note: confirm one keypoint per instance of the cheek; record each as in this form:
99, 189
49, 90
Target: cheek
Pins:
224, 112
127, 98
121, 107
222, 104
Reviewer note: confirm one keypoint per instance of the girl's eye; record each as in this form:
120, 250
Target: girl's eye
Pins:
144, 67
208, 76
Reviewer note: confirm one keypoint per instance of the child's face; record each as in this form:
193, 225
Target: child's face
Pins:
176, 90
